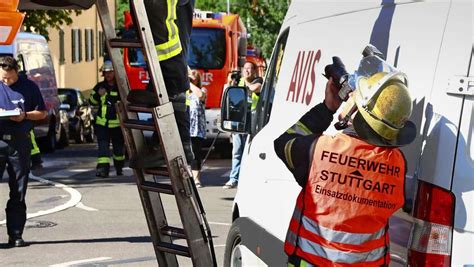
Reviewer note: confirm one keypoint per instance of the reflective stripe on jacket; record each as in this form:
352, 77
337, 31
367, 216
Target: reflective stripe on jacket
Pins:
172, 46
106, 113
341, 215
253, 99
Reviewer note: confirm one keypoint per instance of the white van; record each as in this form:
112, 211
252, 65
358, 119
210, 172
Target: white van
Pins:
430, 41
33, 55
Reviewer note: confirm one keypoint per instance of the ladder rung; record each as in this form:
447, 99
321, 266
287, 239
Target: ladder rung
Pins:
173, 232
160, 171
139, 108
125, 43
139, 124
157, 187
173, 249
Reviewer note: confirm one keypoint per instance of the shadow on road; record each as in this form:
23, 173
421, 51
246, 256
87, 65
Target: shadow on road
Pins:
130, 239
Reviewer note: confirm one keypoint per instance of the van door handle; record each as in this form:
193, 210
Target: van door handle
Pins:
262, 155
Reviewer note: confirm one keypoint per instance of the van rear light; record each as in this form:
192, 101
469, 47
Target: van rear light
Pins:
433, 227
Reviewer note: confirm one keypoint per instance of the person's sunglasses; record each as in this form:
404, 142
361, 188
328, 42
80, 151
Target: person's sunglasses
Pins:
6, 66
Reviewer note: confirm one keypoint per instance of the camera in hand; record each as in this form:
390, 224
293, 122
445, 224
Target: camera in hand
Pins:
337, 71
235, 76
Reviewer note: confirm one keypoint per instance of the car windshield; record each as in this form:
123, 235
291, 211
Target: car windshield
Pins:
207, 48
68, 96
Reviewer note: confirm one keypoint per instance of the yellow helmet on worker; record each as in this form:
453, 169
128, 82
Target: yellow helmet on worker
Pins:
384, 106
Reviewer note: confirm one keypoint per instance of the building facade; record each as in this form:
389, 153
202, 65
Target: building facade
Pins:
78, 50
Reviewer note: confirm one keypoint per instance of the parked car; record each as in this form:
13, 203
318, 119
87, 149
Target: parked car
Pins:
79, 113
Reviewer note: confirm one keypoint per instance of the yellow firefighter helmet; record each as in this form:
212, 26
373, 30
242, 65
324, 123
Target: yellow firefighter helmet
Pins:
384, 107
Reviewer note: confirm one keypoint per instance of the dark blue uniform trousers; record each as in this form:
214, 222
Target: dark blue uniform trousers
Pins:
15, 158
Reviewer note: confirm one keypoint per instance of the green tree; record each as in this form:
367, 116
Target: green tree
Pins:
122, 5
262, 18
38, 21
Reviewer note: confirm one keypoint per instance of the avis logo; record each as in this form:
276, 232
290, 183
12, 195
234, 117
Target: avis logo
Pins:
300, 91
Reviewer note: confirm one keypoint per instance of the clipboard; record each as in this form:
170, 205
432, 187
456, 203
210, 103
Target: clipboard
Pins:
9, 113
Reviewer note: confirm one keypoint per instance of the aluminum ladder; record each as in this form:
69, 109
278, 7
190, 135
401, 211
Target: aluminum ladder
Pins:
195, 228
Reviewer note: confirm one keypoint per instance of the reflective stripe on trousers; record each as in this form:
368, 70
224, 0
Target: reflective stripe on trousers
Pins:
101, 160
34, 146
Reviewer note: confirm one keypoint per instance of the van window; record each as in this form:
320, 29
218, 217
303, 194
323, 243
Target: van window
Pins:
207, 49
40, 69
265, 103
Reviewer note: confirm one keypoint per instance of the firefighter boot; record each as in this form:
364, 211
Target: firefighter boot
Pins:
118, 164
102, 170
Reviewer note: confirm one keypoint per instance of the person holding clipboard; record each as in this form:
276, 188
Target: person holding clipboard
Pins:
19, 106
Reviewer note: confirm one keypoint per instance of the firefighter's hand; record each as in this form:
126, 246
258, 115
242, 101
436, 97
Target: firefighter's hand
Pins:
19, 117
102, 91
332, 99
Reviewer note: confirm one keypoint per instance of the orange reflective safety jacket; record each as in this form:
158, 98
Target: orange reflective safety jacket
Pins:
341, 216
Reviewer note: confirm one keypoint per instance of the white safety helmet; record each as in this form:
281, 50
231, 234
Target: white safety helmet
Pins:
107, 66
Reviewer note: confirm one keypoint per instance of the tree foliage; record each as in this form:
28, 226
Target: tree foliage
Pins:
263, 18
122, 5
38, 21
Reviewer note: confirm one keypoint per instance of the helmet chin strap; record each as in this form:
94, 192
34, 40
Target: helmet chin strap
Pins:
350, 108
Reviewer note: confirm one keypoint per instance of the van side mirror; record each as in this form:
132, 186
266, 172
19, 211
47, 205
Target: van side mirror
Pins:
235, 110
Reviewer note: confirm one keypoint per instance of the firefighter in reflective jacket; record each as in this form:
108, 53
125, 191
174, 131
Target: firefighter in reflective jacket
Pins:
352, 182
105, 95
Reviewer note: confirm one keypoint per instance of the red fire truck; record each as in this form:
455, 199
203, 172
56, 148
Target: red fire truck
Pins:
218, 46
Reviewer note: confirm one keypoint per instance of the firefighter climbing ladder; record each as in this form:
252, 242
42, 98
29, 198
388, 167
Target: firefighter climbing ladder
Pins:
195, 227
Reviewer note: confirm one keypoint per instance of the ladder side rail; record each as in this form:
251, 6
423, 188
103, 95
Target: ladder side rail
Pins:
115, 55
135, 138
167, 128
145, 35
181, 184
151, 202
163, 116
120, 74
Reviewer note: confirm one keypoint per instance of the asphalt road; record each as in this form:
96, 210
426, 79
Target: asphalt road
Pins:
76, 219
